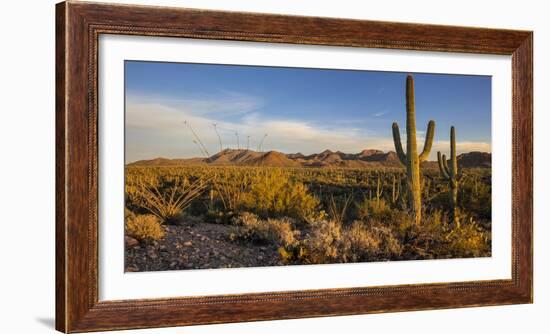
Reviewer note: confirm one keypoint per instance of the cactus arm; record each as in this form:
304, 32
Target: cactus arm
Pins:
397, 142
445, 165
454, 165
441, 166
428, 142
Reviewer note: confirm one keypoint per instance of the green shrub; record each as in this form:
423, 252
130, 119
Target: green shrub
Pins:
144, 227
273, 193
467, 239
373, 209
231, 191
475, 197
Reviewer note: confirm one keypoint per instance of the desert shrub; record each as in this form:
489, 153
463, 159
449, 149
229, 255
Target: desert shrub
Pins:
368, 242
475, 197
329, 241
273, 193
128, 214
247, 219
337, 208
467, 239
359, 244
390, 247
376, 209
144, 227
420, 240
438, 237
167, 202
231, 191
276, 231
433, 226
322, 244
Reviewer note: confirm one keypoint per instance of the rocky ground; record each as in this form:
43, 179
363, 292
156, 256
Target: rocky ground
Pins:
197, 245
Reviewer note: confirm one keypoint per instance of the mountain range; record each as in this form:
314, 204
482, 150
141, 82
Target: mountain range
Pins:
327, 158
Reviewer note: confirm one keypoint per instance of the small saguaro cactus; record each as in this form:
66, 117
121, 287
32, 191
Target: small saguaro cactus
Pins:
395, 190
412, 159
379, 190
450, 173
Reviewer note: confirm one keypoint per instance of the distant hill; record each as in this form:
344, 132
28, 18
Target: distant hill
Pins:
327, 158
168, 162
474, 159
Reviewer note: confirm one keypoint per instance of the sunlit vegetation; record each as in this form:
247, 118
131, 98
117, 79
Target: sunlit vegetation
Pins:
317, 215
143, 227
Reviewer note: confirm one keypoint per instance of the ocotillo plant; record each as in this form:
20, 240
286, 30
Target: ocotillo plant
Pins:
412, 159
260, 146
450, 173
197, 140
218, 134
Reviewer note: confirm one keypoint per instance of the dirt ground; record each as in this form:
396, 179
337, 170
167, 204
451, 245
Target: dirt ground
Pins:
197, 245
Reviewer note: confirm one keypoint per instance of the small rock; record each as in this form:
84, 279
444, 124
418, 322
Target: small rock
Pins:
188, 244
132, 269
173, 264
130, 242
260, 257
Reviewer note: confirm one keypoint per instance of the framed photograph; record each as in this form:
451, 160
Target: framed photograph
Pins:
222, 167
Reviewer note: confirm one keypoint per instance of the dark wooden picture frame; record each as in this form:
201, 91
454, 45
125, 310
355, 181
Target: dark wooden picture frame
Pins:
78, 26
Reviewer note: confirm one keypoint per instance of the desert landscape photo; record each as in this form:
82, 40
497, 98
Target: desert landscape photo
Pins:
232, 166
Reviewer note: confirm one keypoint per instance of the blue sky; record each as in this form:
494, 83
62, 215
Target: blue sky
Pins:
300, 110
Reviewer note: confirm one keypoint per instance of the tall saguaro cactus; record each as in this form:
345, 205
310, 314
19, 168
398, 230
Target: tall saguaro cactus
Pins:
450, 173
412, 159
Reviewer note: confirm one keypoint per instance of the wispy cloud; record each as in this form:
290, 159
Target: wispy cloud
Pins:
156, 123
380, 113
155, 127
225, 103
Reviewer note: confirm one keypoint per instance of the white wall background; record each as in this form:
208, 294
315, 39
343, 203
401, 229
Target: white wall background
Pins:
27, 69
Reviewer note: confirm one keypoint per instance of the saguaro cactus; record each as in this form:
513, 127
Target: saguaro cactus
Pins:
379, 191
450, 173
412, 159
395, 190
